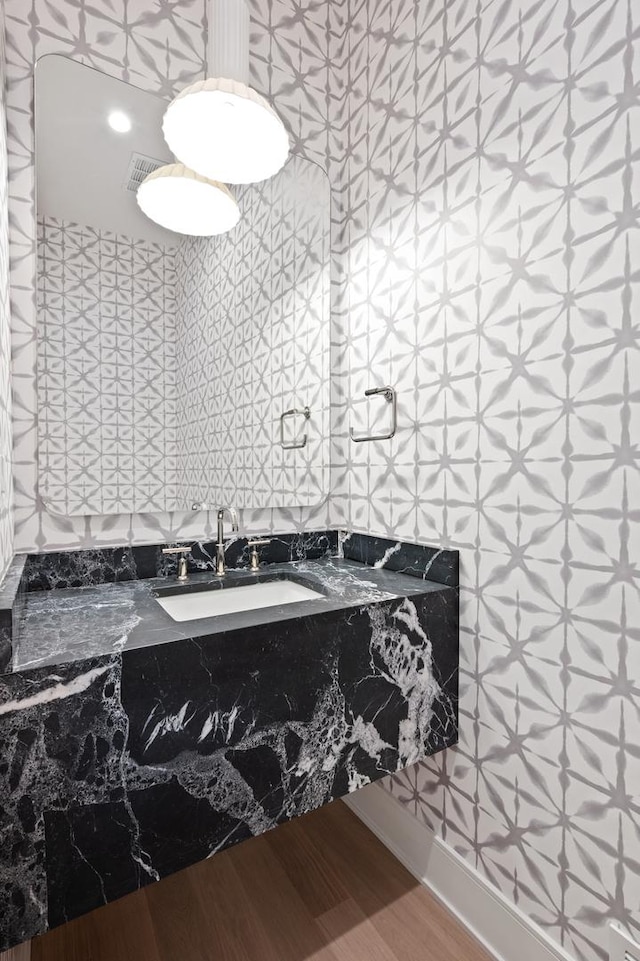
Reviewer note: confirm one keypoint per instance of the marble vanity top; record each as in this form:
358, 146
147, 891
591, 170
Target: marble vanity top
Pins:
65, 625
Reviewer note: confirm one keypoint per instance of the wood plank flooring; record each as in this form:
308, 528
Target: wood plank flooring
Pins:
322, 888
21, 953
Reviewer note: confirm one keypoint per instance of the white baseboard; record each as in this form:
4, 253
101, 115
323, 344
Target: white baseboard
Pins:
503, 929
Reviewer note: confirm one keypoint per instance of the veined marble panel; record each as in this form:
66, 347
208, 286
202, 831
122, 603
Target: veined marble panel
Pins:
118, 770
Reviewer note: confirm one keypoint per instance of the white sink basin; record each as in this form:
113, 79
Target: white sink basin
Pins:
230, 600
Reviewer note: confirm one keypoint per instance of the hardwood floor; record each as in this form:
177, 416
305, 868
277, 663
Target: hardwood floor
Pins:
21, 953
321, 888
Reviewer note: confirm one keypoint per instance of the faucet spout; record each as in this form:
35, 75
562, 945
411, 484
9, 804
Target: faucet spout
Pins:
220, 561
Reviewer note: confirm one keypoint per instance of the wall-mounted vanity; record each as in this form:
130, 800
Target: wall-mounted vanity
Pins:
137, 740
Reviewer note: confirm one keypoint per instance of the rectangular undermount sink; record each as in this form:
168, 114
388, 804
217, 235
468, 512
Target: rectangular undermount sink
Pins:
189, 606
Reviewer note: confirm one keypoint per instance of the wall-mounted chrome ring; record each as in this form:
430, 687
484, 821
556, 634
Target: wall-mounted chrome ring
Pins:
294, 412
390, 396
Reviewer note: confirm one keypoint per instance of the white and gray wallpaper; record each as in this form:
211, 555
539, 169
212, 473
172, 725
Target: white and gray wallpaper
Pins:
253, 342
107, 371
493, 277
163, 370
6, 442
484, 164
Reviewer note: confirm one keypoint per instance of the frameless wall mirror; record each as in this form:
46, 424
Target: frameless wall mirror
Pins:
173, 371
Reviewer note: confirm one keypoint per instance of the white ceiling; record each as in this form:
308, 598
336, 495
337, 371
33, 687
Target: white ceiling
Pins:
81, 163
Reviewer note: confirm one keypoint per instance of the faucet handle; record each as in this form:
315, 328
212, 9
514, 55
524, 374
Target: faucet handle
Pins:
254, 557
182, 560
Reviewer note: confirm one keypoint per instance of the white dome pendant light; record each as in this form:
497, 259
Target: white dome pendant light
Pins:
220, 127
183, 201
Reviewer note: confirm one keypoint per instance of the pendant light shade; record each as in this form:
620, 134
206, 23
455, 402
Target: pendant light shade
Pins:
226, 131
221, 127
186, 203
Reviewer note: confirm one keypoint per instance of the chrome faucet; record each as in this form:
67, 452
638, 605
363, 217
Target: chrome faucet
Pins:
182, 574
220, 565
254, 557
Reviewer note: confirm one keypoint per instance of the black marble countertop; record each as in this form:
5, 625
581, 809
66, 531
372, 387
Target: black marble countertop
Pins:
79, 623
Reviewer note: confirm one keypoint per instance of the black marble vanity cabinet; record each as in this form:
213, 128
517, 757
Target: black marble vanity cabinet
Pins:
120, 769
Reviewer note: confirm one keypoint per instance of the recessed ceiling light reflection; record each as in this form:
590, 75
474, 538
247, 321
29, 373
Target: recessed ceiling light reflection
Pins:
119, 121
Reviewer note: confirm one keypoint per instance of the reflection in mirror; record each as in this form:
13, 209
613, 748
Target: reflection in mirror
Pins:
166, 363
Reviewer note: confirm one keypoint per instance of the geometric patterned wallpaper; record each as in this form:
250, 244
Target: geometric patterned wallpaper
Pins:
492, 242
163, 371
107, 377
6, 441
252, 342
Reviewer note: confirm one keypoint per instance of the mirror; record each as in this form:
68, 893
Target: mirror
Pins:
174, 373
